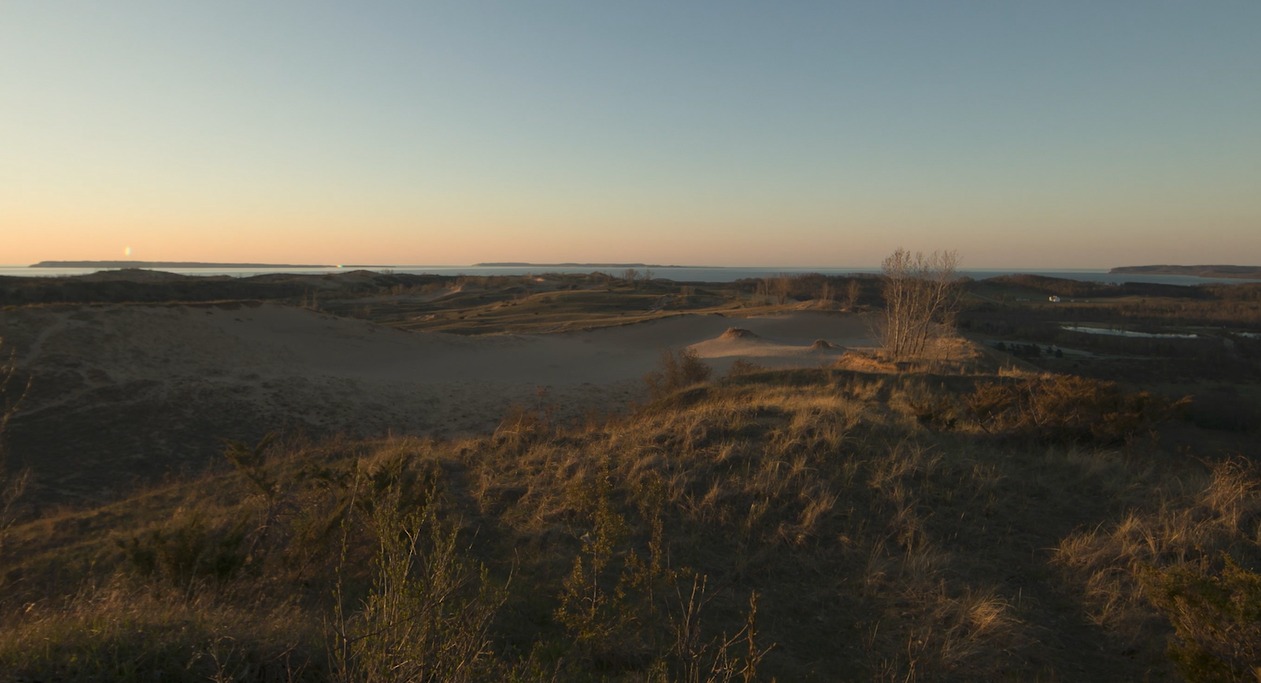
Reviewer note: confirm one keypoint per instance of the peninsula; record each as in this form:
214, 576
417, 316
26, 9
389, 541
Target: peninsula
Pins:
167, 264
525, 264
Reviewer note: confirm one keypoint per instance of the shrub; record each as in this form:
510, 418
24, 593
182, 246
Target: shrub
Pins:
595, 607
678, 371
741, 367
1216, 616
188, 549
630, 612
428, 615
1223, 408
1066, 409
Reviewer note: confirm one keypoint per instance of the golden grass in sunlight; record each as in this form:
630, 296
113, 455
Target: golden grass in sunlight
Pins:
798, 525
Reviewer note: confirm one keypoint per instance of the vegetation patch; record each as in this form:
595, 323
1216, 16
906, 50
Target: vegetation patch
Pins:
955, 516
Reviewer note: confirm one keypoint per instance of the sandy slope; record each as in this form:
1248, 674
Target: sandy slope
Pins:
126, 393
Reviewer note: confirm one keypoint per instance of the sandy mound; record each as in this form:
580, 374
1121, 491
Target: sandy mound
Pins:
785, 340
737, 333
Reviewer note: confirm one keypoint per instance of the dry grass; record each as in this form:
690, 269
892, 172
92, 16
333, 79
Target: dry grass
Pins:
125, 632
1121, 566
880, 545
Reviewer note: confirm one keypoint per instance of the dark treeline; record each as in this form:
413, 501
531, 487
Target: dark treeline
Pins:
851, 290
1149, 315
1082, 289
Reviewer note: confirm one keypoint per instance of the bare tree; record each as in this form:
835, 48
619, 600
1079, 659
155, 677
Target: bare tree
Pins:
781, 286
852, 290
921, 297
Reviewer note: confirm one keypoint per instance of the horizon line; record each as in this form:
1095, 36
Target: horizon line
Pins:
90, 263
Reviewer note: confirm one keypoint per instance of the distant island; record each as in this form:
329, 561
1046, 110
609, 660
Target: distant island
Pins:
525, 264
166, 264
1247, 272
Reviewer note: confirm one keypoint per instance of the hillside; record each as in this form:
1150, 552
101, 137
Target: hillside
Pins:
868, 526
556, 480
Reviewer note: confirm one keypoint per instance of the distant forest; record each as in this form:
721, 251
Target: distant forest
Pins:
1196, 271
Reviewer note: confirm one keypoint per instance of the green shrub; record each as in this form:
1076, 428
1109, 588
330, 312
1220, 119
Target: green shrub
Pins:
1216, 615
428, 615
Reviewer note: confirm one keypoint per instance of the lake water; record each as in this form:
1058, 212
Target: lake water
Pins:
676, 273
1115, 332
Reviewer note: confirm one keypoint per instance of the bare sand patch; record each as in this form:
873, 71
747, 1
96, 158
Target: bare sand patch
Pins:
803, 338
126, 393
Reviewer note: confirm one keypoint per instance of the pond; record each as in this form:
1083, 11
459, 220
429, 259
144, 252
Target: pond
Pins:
1114, 332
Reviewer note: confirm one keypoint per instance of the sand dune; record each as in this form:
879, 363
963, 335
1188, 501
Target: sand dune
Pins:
146, 389
799, 339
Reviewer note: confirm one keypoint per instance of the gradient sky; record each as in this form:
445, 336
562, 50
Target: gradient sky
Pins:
824, 134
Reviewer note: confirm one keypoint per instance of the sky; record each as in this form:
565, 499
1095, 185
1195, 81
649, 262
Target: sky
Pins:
816, 134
